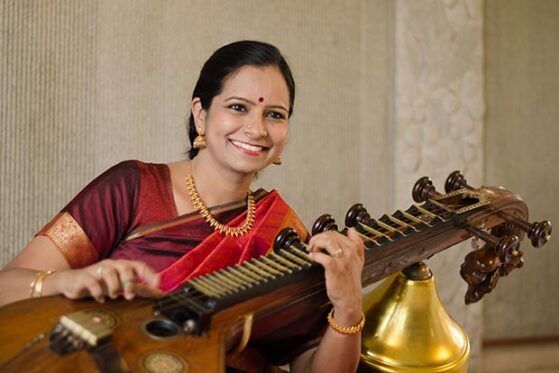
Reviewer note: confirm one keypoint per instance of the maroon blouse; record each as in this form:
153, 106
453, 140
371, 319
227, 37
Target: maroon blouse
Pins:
129, 196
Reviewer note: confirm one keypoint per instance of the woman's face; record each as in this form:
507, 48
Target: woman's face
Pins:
246, 124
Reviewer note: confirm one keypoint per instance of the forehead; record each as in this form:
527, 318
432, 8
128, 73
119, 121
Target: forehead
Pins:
253, 82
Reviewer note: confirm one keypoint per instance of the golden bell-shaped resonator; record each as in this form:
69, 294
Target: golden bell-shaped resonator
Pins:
408, 329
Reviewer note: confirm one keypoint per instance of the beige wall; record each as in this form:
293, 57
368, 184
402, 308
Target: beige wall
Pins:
87, 84
522, 62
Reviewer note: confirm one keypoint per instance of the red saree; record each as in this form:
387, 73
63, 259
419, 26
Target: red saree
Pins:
217, 251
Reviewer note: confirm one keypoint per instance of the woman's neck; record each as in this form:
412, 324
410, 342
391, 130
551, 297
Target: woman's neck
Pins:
216, 186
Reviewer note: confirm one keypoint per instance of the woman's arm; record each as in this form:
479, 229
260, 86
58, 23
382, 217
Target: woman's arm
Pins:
16, 277
105, 278
343, 263
85, 230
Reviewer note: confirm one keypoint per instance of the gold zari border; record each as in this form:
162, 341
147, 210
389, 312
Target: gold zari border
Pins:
70, 239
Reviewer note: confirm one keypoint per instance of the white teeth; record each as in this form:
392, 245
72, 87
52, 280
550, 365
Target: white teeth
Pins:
247, 146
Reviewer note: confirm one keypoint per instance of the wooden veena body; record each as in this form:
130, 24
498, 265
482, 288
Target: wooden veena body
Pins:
194, 328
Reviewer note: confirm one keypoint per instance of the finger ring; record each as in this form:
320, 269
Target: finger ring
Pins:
338, 253
126, 282
99, 272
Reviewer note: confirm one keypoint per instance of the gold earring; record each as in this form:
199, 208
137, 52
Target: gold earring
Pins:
277, 161
200, 140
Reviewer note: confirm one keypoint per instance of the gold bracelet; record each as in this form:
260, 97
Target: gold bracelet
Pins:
37, 284
346, 329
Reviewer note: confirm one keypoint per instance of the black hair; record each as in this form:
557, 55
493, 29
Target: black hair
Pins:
225, 61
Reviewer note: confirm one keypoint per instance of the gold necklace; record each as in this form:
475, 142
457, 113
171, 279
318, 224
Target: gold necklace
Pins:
212, 222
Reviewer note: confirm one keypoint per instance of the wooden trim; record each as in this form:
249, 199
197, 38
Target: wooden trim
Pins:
520, 340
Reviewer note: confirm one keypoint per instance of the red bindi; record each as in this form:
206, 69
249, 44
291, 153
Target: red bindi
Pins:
260, 99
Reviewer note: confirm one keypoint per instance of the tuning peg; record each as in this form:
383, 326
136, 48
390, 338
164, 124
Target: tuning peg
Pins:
456, 181
538, 232
286, 238
355, 215
324, 223
504, 246
423, 189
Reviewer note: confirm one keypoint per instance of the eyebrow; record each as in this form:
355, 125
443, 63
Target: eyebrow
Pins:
254, 103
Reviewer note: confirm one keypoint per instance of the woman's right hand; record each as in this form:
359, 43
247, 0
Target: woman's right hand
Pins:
107, 278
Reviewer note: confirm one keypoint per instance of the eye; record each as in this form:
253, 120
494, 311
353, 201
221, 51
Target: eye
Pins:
275, 115
238, 107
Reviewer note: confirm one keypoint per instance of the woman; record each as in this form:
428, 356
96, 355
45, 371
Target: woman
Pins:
143, 229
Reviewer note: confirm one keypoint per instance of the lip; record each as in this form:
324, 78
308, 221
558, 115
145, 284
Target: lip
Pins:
247, 148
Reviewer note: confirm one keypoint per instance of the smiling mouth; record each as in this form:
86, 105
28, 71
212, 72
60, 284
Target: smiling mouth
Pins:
249, 147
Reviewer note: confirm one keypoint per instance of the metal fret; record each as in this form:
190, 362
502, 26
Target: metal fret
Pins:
277, 266
213, 287
428, 213
388, 227
442, 206
259, 270
236, 277
401, 223
249, 273
374, 231
202, 288
219, 284
267, 267
229, 281
295, 258
235, 272
302, 253
366, 238
414, 218
286, 262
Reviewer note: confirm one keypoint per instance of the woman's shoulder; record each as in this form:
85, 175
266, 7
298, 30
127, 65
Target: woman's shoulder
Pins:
133, 172
124, 167
138, 167
141, 165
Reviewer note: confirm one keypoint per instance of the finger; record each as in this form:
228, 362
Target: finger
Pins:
354, 236
327, 241
350, 247
99, 272
94, 287
145, 273
127, 281
324, 260
111, 281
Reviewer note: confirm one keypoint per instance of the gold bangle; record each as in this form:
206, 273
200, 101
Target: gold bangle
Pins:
353, 329
37, 284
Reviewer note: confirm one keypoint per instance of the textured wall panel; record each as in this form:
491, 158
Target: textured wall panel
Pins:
439, 112
47, 93
85, 85
522, 40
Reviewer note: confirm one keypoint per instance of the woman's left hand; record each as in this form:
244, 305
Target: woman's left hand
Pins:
342, 258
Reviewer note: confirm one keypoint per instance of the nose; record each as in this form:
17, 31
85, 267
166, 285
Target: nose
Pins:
256, 127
